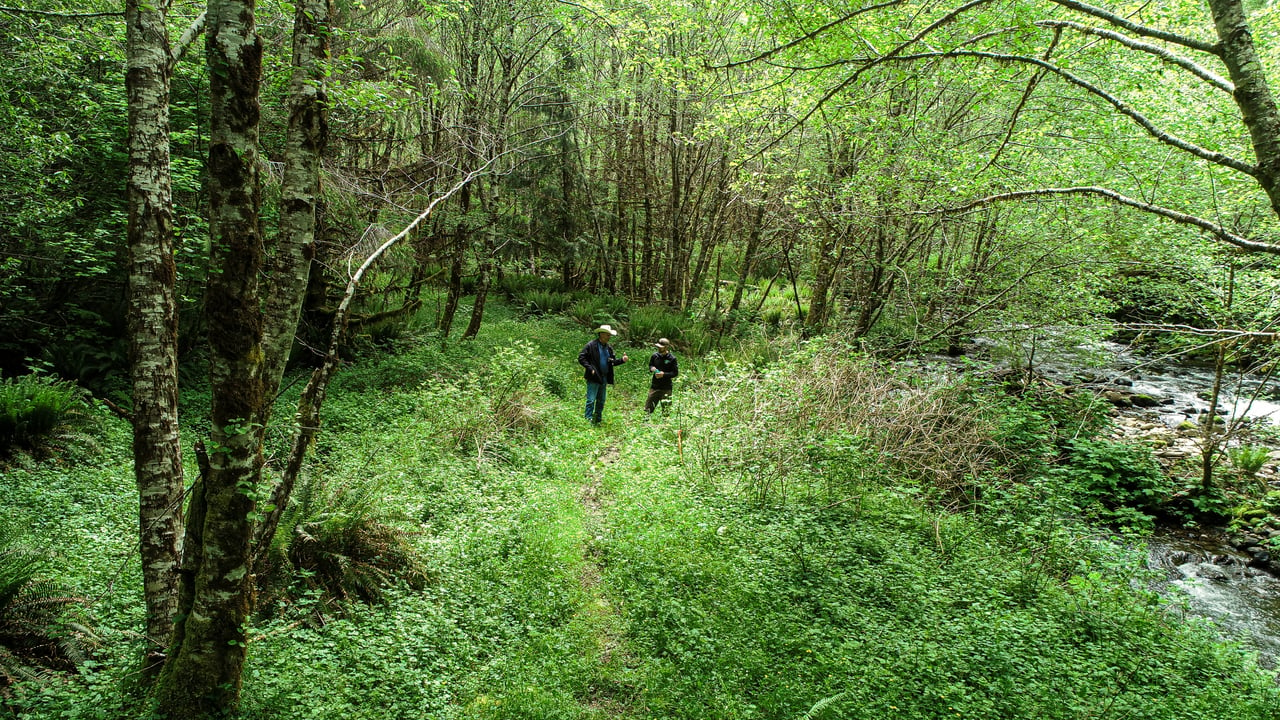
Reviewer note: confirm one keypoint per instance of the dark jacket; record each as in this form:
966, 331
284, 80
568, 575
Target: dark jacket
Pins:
667, 365
589, 358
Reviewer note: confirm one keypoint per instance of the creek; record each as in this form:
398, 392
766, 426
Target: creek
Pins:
1156, 399
1218, 582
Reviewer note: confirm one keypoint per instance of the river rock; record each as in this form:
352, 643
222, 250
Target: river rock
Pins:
1118, 399
1144, 401
1122, 382
1244, 541
1211, 572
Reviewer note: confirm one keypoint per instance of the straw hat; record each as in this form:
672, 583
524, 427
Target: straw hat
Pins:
606, 329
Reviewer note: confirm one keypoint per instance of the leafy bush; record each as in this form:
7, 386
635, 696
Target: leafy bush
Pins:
31, 408
492, 399
1034, 425
1115, 482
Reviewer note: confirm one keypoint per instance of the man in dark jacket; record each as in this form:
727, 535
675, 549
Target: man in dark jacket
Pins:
664, 368
597, 359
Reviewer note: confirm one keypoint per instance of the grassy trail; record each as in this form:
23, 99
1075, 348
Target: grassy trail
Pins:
623, 572
608, 694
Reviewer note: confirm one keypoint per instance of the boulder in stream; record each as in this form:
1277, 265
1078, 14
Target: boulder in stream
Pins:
1143, 400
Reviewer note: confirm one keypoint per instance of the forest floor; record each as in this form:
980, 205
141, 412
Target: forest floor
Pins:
628, 571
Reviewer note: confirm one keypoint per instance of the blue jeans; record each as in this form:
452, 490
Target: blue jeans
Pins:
596, 393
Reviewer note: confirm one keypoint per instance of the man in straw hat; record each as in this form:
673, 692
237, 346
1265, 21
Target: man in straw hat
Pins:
598, 360
664, 368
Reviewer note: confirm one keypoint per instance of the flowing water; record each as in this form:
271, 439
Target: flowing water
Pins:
1217, 582
1181, 391
1214, 579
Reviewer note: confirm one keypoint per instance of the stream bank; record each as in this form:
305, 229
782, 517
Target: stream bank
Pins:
1229, 574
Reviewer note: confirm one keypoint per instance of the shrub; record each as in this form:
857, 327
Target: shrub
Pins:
545, 302
334, 537
32, 634
31, 408
489, 401
1118, 483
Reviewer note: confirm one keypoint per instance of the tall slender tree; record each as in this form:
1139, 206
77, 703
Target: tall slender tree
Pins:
153, 319
202, 674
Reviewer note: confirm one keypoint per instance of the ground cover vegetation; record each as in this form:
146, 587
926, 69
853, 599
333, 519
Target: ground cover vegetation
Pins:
794, 536
805, 199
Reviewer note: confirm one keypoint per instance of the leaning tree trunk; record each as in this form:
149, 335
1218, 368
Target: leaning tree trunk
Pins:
202, 674
153, 319
1252, 93
824, 272
484, 280
749, 255
305, 141
445, 323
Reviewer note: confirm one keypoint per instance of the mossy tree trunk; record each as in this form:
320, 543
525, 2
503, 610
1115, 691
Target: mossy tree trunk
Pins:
305, 141
202, 674
153, 318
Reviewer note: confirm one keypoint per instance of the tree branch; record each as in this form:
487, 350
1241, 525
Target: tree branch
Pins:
893, 54
66, 16
806, 37
1179, 217
179, 49
1195, 69
1229, 333
1022, 102
1136, 29
1122, 107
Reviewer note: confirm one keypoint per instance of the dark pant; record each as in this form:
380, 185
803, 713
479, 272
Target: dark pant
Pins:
596, 393
657, 395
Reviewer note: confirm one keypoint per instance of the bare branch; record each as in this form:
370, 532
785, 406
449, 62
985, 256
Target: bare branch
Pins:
1195, 69
1228, 333
807, 36
1122, 107
1179, 217
180, 48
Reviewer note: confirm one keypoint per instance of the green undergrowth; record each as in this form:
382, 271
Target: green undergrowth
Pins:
783, 544
876, 607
